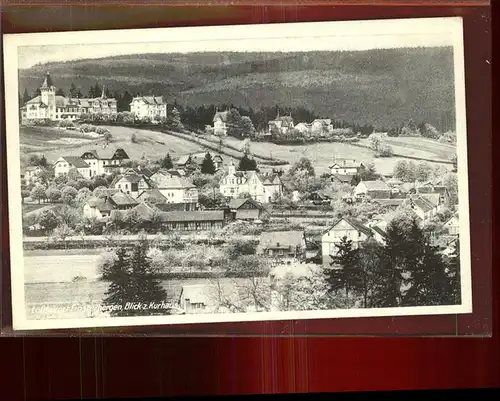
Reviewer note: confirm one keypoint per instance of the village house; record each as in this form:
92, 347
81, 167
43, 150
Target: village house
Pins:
247, 210
107, 160
281, 125
263, 188
423, 208
321, 126
29, 174
192, 220
348, 228
208, 298
345, 167
176, 189
153, 107
373, 189
318, 198
452, 226
152, 196
342, 178
220, 123
101, 207
283, 246
303, 128
65, 164
49, 106
131, 184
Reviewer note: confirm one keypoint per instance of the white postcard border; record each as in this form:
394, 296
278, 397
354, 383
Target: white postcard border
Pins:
271, 37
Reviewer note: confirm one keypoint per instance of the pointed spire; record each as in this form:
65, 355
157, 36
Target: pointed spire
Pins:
47, 83
103, 95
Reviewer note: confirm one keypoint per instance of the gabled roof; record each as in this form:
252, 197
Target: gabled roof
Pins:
376, 185
75, 161
235, 203
47, 82
108, 153
273, 239
154, 194
353, 223
143, 210
131, 178
122, 199
183, 160
344, 178
346, 163
422, 203
169, 207
153, 100
379, 230
101, 204
221, 115
173, 182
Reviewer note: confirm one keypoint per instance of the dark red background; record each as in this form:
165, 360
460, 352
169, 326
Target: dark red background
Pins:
50, 368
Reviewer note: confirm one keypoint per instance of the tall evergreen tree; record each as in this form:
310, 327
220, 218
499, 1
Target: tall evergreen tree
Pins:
146, 288
119, 290
60, 92
247, 164
207, 166
167, 162
345, 272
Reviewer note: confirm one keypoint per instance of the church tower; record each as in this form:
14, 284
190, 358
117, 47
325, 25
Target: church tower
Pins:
48, 96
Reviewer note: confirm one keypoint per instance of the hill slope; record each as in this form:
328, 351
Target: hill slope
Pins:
381, 87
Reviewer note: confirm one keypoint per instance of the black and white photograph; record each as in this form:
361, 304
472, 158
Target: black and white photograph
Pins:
237, 173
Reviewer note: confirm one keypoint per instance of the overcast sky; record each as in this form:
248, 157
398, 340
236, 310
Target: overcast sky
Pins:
43, 48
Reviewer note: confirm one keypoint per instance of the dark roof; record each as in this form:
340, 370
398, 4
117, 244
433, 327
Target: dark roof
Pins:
192, 216
423, 204
78, 162
101, 204
344, 178
121, 199
47, 83
169, 207
237, 203
378, 230
354, 223
132, 178
153, 193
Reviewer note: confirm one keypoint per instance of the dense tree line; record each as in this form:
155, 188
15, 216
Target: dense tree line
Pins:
407, 271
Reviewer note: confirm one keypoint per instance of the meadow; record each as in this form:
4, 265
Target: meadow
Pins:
153, 145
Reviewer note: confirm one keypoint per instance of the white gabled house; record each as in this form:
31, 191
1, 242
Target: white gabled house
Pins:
131, 184
348, 228
220, 123
65, 164
148, 106
176, 189
262, 187
345, 167
107, 160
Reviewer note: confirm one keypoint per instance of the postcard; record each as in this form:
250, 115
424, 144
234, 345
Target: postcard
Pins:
237, 173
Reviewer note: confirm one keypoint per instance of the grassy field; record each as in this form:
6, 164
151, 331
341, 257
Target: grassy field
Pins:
322, 154
153, 145
148, 144
419, 147
32, 207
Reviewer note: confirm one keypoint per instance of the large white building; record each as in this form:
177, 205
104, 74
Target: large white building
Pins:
262, 187
176, 189
49, 106
153, 107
